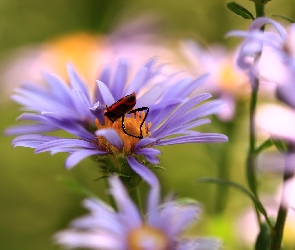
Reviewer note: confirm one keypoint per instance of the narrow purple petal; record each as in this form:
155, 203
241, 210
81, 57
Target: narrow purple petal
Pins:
78, 156
145, 142
101, 216
31, 140
76, 81
65, 145
72, 127
200, 138
184, 87
151, 179
137, 81
148, 151
183, 128
120, 79
59, 88
82, 104
258, 23
29, 129
159, 112
152, 159
106, 95
131, 215
150, 154
91, 240
143, 171
112, 136
150, 97
98, 111
178, 113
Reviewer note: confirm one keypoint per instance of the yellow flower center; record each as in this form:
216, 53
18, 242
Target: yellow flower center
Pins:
147, 237
230, 79
132, 125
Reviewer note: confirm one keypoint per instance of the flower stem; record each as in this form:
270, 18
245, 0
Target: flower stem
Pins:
278, 229
111, 199
251, 157
135, 196
260, 9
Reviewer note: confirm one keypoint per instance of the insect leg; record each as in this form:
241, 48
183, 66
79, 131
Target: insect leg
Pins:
125, 131
141, 109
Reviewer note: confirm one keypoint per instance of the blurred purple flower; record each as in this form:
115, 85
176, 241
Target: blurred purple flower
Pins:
161, 229
270, 56
226, 81
72, 109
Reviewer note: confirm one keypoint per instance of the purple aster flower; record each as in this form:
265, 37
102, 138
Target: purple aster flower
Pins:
71, 108
270, 56
160, 229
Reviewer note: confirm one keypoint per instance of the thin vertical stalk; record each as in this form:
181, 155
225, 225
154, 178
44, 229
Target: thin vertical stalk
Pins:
111, 199
135, 196
278, 229
251, 157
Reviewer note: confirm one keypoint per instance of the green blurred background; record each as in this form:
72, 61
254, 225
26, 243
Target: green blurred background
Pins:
34, 204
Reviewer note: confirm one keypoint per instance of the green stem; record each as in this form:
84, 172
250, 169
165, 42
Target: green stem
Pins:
224, 171
278, 229
251, 157
111, 199
260, 9
135, 196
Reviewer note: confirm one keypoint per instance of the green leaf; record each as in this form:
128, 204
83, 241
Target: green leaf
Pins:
157, 167
76, 187
280, 145
239, 187
263, 238
268, 143
284, 17
239, 10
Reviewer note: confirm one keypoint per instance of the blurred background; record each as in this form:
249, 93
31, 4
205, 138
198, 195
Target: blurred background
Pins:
189, 35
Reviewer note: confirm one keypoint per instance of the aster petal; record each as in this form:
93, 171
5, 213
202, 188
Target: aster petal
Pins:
199, 138
175, 218
151, 179
199, 244
120, 79
29, 129
183, 128
112, 136
137, 81
148, 151
31, 140
82, 104
159, 111
76, 81
151, 96
98, 239
29, 101
184, 87
65, 145
145, 142
59, 89
78, 156
258, 23
130, 214
97, 110
178, 113
71, 127
105, 93
102, 216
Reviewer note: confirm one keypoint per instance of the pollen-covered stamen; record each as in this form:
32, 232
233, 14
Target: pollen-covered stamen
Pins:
132, 124
146, 237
